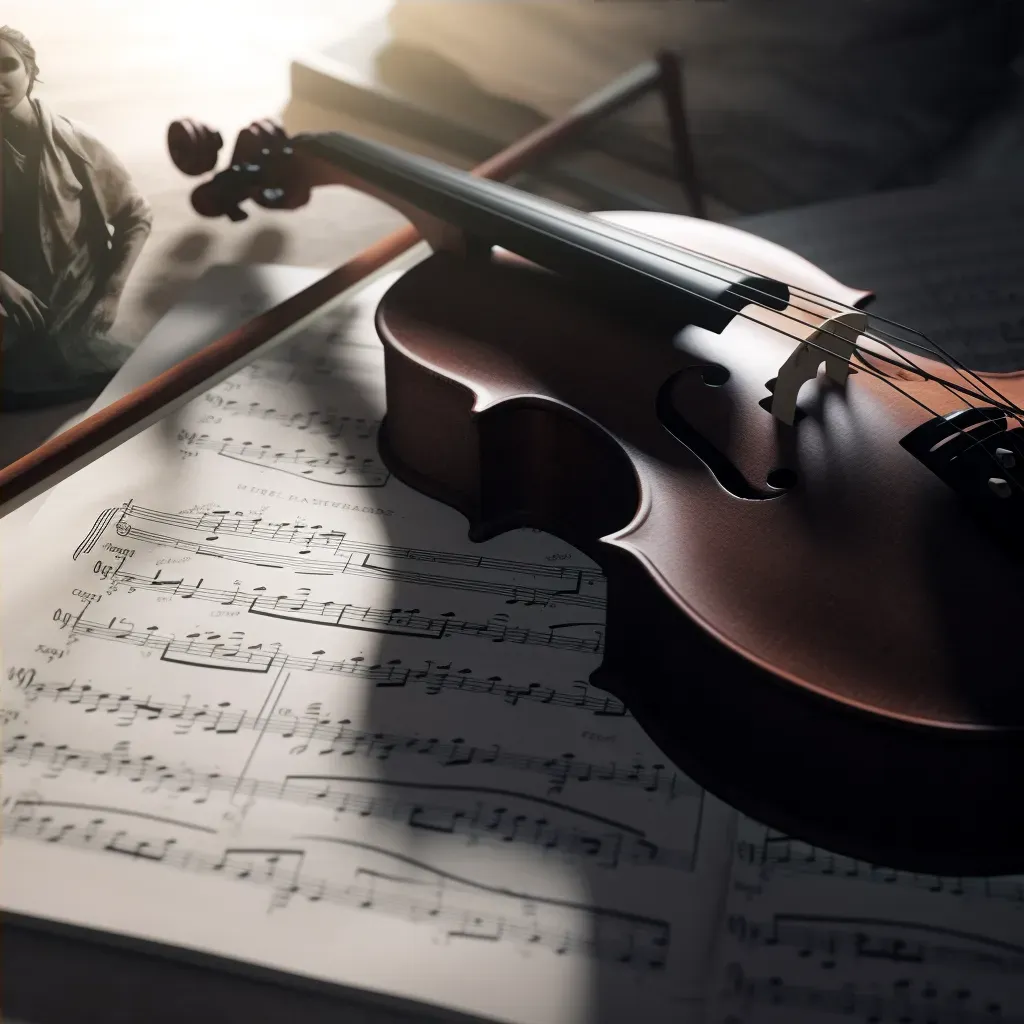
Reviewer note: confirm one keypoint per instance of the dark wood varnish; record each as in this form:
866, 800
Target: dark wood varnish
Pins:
809, 619
835, 656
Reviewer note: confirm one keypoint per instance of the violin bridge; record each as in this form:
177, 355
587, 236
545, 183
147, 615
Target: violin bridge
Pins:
832, 343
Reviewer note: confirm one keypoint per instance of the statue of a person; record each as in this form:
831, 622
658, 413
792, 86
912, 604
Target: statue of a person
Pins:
73, 225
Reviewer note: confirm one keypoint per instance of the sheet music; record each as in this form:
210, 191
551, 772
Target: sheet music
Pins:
945, 259
809, 936
201, 317
263, 700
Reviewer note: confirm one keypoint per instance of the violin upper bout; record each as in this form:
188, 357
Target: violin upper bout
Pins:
479, 412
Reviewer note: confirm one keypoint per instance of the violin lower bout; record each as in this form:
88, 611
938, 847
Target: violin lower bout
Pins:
508, 450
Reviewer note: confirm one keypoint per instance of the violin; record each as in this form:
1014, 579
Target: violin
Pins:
810, 518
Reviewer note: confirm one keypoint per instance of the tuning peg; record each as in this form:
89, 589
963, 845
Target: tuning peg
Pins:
217, 198
262, 168
194, 147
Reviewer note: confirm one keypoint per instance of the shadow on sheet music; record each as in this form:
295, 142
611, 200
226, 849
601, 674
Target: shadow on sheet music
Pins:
480, 759
523, 809
174, 268
524, 822
463, 847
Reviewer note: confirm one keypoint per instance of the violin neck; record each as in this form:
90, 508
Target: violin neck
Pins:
643, 274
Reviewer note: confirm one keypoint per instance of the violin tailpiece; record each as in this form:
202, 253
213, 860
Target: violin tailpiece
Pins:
975, 452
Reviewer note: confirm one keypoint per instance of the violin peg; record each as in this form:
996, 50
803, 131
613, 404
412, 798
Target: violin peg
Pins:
194, 147
258, 139
212, 199
261, 168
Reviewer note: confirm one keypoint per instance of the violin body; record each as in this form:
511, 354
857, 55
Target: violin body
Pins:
804, 617
813, 540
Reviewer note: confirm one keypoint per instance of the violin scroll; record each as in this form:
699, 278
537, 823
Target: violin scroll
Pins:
263, 168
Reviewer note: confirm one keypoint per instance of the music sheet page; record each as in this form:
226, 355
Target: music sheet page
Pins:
264, 701
946, 260
810, 936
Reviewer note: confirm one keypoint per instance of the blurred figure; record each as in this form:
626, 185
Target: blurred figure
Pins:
73, 226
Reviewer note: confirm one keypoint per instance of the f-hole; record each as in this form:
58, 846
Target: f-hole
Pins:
720, 466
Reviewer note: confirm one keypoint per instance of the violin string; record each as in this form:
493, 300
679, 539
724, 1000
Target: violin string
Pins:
1008, 408
556, 215
902, 360
834, 305
1013, 438
951, 388
958, 367
973, 441
558, 212
932, 347
964, 372
828, 303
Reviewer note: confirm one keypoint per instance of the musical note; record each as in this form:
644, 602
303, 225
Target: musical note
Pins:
785, 855
585, 836
897, 942
299, 607
282, 870
334, 468
929, 1004
354, 565
625, 928
209, 650
342, 737
315, 422
810, 933
338, 542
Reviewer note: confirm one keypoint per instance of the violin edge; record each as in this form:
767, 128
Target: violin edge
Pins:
805, 750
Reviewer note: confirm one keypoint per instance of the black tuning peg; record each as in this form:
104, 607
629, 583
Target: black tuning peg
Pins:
194, 147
